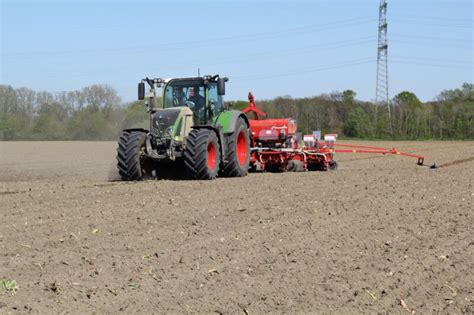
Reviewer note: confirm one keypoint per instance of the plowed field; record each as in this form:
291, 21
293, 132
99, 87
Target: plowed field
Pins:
380, 234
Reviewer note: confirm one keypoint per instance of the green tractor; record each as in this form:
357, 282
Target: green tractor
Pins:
191, 130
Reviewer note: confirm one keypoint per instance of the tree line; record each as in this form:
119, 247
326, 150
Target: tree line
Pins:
449, 116
96, 112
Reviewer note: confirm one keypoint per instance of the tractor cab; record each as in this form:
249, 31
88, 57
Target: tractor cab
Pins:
203, 95
199, 94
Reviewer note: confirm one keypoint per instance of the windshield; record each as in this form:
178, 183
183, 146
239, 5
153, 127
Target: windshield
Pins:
180, 93
216, 103
204, 101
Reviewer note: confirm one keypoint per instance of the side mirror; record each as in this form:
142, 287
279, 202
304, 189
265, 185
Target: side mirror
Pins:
141, 91
221, 86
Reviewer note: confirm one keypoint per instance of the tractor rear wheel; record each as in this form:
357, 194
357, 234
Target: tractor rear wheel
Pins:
202, 155
238, 151
131, 162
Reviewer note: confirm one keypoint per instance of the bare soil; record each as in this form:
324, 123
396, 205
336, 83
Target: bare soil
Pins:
380, 234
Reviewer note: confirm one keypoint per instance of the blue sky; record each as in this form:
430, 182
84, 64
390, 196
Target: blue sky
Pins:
273, 48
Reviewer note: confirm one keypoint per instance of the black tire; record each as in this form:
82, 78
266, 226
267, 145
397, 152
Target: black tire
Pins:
130, 161
291, 167
202, 154
238, 151
295, 166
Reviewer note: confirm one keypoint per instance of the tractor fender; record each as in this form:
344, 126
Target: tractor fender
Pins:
228, 120
245, 118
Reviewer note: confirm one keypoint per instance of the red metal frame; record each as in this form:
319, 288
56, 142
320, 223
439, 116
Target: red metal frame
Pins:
377, 150
274, 145
252, 108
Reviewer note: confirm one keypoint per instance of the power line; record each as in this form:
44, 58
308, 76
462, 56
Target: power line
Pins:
300, 71
431, 44
433, 23
433, 38
293, 52
436, 18
393, 60
246, 58
430, 64
306, 70
465, 63
234, 40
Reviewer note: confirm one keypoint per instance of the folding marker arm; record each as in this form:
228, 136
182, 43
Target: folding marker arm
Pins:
376, 150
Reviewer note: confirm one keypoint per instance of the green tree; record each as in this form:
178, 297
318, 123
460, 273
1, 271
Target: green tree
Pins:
348, 96
136, 116
50, 123
239, 105
408, 114
10, 127
88, 124
357, 124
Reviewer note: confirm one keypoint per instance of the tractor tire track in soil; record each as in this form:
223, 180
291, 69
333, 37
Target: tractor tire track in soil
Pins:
456, 162
381, 234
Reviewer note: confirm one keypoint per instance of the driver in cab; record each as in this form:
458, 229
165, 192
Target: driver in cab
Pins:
196, 98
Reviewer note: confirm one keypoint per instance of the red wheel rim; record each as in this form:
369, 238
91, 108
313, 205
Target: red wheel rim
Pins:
211, 156
242, 148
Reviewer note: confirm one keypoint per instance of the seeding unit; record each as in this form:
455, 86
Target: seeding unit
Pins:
276, 147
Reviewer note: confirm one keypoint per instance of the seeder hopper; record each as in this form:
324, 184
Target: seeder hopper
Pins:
275, 145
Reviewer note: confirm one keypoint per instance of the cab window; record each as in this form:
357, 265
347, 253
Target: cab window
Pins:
214, 101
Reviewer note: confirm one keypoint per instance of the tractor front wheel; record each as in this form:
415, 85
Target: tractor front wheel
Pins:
131, 162
238, 151
202, 155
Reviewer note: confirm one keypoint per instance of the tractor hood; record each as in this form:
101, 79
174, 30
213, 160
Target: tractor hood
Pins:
175, 123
